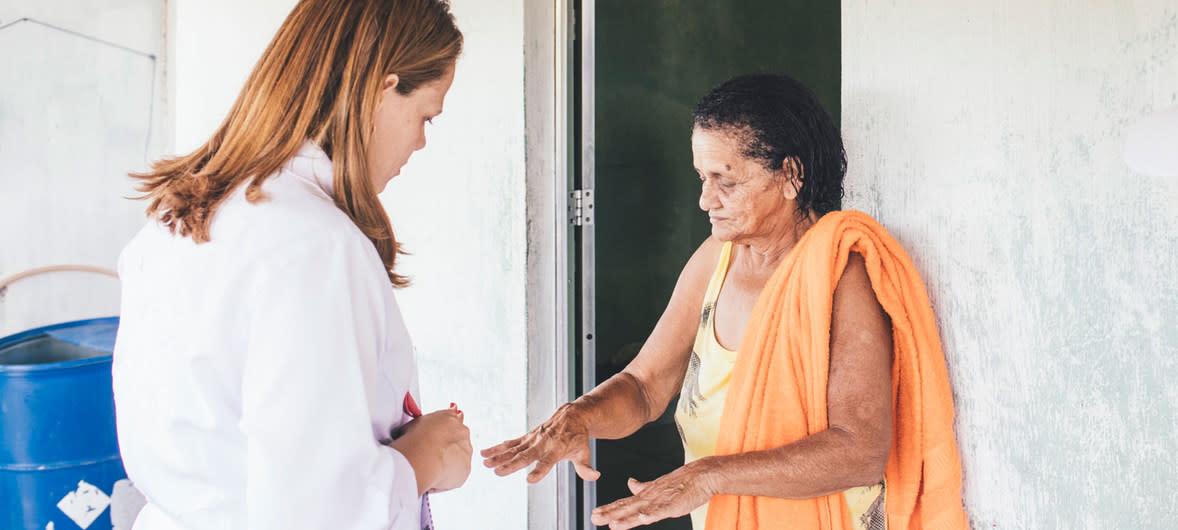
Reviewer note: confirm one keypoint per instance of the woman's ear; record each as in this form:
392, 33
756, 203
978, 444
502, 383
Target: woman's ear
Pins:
390, 81
387, 86
793, 173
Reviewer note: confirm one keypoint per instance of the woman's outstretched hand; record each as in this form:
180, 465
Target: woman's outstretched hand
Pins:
672, 495
565, 436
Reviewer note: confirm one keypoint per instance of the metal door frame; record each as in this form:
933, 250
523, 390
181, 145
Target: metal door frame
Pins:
588, 268
551, 33
548, 115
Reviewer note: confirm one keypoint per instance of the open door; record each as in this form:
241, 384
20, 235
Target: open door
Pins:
634, 206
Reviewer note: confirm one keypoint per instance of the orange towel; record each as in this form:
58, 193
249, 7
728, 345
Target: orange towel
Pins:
777, 394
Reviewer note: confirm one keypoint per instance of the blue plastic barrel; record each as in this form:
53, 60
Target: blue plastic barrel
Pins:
59, 457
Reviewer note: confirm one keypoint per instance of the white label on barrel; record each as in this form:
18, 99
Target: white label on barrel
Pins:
84, 505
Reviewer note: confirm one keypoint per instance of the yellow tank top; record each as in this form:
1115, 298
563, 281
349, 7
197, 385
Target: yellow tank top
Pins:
701, 403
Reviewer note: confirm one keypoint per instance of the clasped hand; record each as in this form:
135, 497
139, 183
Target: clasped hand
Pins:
438, 447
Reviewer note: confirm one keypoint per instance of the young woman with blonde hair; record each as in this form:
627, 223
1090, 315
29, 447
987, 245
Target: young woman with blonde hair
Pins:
264, 378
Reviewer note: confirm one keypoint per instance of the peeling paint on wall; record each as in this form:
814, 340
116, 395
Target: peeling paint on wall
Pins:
988, 137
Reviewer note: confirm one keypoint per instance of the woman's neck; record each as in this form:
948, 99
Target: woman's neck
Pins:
769, 251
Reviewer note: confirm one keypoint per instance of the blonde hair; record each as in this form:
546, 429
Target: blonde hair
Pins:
318, 80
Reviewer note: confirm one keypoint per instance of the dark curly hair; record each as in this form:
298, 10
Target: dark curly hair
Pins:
780, 118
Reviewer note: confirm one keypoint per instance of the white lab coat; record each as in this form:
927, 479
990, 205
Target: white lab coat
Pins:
255, 374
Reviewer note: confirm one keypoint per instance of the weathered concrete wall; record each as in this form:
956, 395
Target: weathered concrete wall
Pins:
82, 102
988, 137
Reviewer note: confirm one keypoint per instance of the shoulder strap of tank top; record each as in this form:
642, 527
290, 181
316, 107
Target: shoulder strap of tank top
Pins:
718, 276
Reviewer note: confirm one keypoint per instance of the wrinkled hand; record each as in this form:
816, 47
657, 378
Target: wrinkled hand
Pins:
672, 495
563, 437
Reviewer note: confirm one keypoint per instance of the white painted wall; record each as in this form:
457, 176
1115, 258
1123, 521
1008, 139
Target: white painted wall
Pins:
458, 207
214, 45
988, 137
82, 102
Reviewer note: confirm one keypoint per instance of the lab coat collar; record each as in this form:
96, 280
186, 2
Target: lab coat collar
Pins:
312, 164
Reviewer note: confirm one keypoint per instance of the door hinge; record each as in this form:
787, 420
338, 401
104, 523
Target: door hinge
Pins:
581, 207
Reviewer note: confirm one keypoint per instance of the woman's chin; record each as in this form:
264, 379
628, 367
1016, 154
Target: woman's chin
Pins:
380, 184
721, 234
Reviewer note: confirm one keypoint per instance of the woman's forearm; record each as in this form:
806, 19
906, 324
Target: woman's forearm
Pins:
615, 408
426, 464
823, 463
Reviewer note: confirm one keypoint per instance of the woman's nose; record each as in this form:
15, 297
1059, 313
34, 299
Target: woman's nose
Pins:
707, 197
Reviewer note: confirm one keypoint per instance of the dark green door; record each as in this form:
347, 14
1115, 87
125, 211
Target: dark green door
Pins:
653, 60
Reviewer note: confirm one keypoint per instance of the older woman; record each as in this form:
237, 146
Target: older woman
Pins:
797, 388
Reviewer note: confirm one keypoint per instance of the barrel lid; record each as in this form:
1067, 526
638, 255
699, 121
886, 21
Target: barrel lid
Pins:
77, 343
